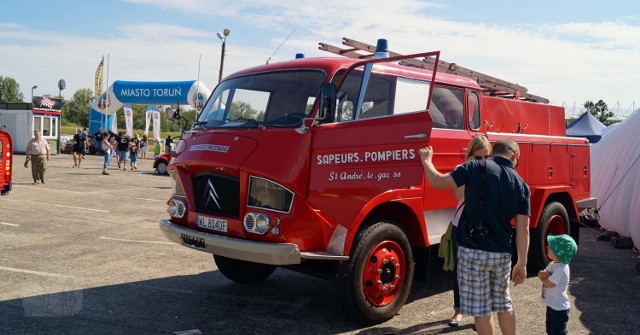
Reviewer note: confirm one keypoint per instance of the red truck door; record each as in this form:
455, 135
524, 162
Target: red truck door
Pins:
374, 144
6, 158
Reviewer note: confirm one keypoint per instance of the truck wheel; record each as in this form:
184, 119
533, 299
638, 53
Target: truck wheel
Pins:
242, 271
553, 221
375, 282
162, 168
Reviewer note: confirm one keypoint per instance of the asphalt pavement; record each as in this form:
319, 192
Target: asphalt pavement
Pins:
83, 254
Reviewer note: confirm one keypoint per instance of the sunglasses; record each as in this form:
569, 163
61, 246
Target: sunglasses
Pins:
481, 157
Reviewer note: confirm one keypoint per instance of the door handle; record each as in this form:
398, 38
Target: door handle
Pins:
416, 136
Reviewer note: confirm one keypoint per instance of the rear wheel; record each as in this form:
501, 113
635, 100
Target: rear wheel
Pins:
162, 168
242, 271
553, 221
376, 280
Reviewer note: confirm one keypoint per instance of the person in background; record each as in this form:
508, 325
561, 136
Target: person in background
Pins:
78, 148
144, 147
123, 149
113, 138
168, 143
555, 279
107, 146
484, 259
478, 148
156, 147
39, 153
98, 138
133, 153
85, 147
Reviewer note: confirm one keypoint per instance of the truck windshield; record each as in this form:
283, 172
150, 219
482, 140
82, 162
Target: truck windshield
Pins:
276, 98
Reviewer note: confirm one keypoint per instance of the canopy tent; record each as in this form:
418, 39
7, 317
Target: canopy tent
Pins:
615, 175
586, 126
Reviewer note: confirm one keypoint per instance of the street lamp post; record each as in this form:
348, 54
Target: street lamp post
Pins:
32, 89
223, 38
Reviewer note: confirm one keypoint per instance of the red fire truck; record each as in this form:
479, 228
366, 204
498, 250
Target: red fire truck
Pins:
6, 159
313, 165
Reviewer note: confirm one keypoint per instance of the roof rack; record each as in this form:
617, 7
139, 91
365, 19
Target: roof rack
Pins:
491, 86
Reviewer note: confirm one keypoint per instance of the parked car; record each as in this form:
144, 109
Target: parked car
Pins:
161, 163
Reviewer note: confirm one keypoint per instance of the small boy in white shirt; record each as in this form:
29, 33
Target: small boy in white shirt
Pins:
555, 279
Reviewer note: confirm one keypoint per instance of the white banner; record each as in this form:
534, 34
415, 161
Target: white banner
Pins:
156, 124
114, 124
147, 121
128, 120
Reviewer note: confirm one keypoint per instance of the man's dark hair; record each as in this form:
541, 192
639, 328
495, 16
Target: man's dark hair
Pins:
505, 147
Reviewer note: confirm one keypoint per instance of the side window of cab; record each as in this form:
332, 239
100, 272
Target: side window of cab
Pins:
447, 108
473, 110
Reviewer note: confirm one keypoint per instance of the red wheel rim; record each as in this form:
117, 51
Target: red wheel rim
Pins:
384, 273
555, 226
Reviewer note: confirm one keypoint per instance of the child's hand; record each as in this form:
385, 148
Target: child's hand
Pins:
543, 274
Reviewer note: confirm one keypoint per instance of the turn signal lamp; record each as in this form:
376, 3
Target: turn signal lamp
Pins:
176, 208
256, 223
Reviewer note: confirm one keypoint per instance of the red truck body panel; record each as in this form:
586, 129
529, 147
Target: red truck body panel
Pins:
6, 162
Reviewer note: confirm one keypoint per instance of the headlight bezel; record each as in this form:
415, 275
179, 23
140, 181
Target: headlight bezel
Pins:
259, 185
177, 188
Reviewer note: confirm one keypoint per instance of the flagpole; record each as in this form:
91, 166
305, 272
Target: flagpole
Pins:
104, 116
107, 93
195, 103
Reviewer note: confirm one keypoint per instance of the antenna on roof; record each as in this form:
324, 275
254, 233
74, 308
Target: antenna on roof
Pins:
281, 44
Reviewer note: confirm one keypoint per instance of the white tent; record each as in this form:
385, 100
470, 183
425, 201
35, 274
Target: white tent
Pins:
615, 175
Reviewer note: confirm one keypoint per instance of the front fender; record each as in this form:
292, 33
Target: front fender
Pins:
389, 205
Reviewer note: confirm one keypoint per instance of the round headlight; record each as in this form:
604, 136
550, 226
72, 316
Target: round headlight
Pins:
262, 223
173, 208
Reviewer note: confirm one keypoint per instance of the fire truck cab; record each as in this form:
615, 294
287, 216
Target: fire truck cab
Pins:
313, 164
6, 160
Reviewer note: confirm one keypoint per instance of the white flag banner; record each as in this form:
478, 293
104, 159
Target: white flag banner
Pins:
147, 121
156, 124
128, 120
114, 124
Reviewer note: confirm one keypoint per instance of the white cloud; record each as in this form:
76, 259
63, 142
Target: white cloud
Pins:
564, 62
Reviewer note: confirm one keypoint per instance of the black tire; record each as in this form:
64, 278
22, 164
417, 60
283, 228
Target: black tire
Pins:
162, 168
242, 271
553, 221
355, 278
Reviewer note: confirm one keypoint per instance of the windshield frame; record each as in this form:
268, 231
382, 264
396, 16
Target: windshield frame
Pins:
286, 114
423, 55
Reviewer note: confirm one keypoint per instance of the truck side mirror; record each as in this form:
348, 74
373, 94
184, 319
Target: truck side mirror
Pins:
327, 108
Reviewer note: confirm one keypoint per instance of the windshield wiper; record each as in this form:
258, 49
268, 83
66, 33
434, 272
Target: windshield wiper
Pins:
241, 118
199, 123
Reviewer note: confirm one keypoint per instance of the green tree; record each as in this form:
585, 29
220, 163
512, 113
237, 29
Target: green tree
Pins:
241, 109
10, 91
76, 110
599, 109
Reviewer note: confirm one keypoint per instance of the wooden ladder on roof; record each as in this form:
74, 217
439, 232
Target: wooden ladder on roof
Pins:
491, 86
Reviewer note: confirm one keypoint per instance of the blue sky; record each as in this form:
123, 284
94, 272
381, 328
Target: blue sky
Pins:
567, 51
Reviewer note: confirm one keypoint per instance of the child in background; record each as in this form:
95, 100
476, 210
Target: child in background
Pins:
133, 154
156, 148
555, 279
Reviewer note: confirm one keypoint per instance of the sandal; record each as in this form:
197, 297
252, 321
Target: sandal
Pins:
453, 323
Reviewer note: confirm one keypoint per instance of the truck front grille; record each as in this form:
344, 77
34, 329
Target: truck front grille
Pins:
217, 194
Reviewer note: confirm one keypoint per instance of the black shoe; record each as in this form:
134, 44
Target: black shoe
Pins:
453, 323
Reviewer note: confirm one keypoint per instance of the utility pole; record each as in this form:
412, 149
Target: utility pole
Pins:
223, 38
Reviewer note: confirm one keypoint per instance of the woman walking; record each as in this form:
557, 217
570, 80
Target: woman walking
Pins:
144, 148
108, 150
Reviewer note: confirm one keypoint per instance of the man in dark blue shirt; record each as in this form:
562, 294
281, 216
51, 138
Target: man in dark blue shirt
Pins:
484, 264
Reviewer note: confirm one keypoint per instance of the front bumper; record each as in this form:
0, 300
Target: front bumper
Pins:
251, 251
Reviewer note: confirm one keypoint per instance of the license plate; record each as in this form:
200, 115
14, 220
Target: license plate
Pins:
212, 223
